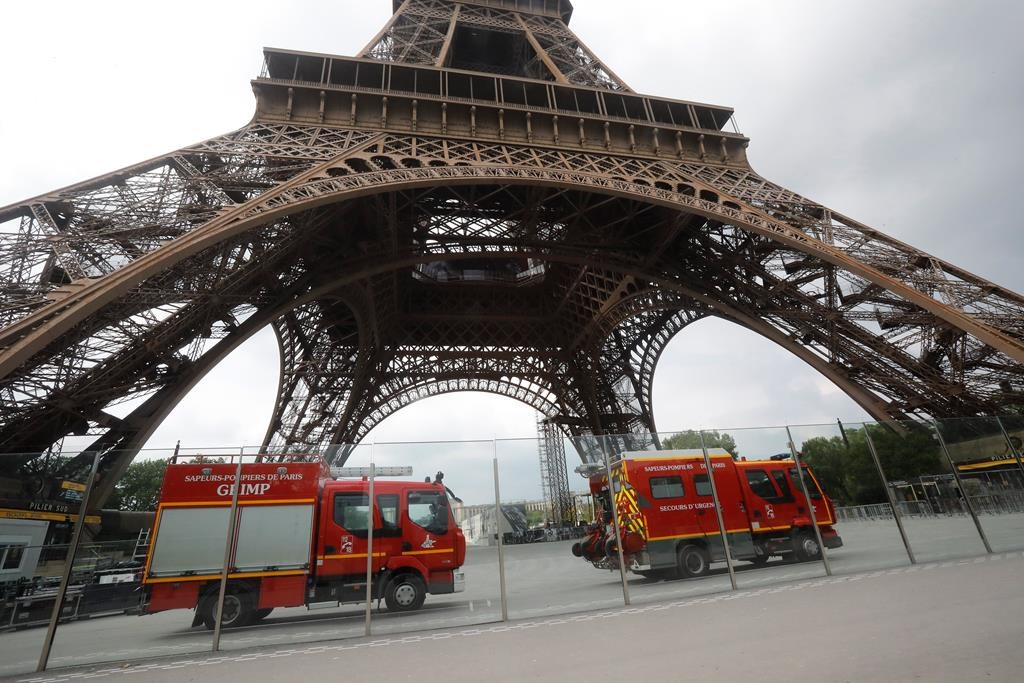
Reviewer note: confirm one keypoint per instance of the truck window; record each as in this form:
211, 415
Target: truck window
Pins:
702, 484
761, 484
351, 510
812, 488
427, 509
387, 504
782, 483
666, 487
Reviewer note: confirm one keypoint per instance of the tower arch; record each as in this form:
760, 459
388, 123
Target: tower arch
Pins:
532, 218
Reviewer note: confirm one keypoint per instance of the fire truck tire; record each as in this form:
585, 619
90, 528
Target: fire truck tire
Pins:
239, 609
805, 547
405, 593
693, 561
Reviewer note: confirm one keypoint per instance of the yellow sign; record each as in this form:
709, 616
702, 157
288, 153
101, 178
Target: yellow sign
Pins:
72, 486
8, 513
985, 465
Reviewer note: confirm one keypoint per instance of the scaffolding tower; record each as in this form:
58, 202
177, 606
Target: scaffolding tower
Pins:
553, 476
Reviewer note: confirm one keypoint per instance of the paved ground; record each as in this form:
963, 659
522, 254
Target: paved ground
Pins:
543, 580
949, 621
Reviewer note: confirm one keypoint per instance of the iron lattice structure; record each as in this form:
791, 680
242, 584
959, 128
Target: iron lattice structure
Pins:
474, 202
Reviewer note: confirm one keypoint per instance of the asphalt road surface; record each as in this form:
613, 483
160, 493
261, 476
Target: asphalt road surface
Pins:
543, 580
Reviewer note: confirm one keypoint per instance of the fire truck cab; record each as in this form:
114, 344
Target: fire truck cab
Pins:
299, 538
667, 515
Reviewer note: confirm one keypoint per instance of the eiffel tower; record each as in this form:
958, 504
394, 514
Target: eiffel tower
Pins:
475, 202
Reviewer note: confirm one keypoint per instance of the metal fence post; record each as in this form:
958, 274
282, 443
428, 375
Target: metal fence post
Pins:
369, 546
498, 514
810, 502
897, 515
615, 521
1013, 448
718, 512
960, 487
228, 543
69, 561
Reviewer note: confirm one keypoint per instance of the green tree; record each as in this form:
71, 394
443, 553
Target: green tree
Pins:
847, 471
534, 517
139, 488
206, 460
691, 439
832, 463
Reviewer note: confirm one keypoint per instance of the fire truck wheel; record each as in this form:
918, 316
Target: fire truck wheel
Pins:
806, 547
239, 610
405, 593
693, 561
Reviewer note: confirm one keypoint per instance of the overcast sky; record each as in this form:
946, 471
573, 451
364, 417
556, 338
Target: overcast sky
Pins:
904, 115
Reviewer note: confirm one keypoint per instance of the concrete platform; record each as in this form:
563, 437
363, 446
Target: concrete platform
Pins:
956, 620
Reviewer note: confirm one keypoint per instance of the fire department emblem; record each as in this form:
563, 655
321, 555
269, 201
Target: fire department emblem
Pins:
428, 542
346, 544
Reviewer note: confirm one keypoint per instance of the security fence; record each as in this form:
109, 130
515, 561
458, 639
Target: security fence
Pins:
246, 551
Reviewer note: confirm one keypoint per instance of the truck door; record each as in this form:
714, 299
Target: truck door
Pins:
343, 536
769, 508
428, 529
387, 533
821, 509
734, 512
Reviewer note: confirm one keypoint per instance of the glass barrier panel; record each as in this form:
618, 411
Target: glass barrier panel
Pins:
859, 526
420, 579
652, 495
119, 617
1012, 427
990, 474
279, 550
936, 517
758, 501
41, 497
547, 518
437, 509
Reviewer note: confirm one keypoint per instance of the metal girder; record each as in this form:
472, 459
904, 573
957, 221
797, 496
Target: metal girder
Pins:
422, 32
407, 238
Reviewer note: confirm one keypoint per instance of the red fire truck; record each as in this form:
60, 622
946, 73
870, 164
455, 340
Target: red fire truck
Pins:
667, 515
300, 538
